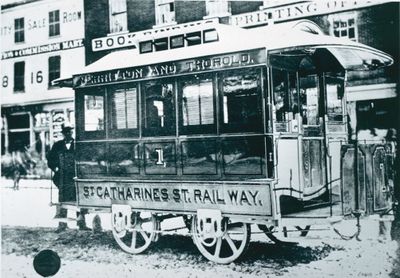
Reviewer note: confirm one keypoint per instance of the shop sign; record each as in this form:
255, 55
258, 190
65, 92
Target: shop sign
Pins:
42, 49
39, 23
58, 120
196, 65
252, 199
131, 39
298, 10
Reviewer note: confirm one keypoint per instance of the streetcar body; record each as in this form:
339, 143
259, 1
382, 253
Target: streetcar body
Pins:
213, 123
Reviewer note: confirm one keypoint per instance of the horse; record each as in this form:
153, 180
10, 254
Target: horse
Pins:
16, 165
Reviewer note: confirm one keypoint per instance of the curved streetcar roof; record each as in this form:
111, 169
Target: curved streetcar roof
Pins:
278, 39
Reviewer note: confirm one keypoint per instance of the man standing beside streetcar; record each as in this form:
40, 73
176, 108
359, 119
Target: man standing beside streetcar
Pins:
61, 160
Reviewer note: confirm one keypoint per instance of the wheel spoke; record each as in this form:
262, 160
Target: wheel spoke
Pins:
218, 247
133, 243
144, 235
231, 243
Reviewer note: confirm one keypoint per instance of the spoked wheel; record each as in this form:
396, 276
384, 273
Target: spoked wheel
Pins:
134, 231
224, 246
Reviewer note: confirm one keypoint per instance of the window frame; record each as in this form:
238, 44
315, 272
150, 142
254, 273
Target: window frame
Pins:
54, 24
196, 129
210, 31
214, 8
344, 17
53, 71
157, 42
81, 133
190, 42
172, 46
141, 44
114, 15
126, 132
240, 127
160, 14
19, 31
152, 131
19, 77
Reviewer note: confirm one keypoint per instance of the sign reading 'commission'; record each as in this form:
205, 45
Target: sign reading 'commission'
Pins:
242, 198
251, 57
42, 49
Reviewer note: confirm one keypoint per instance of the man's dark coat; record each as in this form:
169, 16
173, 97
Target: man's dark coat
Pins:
64, 159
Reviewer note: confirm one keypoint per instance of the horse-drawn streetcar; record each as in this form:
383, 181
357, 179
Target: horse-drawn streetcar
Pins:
221, 126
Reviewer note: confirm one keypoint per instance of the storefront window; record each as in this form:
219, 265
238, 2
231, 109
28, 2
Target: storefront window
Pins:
124, 109
241, 101
42, 119
94, 112
197, 103
159, 108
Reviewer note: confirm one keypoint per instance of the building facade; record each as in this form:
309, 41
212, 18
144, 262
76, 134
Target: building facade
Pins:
371, 96
40, 40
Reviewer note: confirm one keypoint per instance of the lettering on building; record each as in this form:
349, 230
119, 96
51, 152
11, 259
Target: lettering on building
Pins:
297, 10
42, 49
39, 23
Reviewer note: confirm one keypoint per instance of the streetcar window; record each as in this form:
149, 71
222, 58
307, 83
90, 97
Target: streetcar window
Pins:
124, 159
286, 98
177, 41
91, 159
159, 108
161, 44
199, 157
160, 158
124, 113
241, 101
197, 103
334, 91
309, 98
243, 156
146, 47
193, 38
210, 35
94, 112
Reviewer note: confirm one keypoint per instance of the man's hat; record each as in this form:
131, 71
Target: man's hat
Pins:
66, 127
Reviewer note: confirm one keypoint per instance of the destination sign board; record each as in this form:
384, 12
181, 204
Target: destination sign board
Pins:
195, 65
229, 197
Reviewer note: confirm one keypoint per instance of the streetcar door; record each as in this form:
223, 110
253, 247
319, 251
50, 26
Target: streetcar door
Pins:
336, 129
286, 124
311, 91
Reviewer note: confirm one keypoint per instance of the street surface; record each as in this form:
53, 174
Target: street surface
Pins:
28, 227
